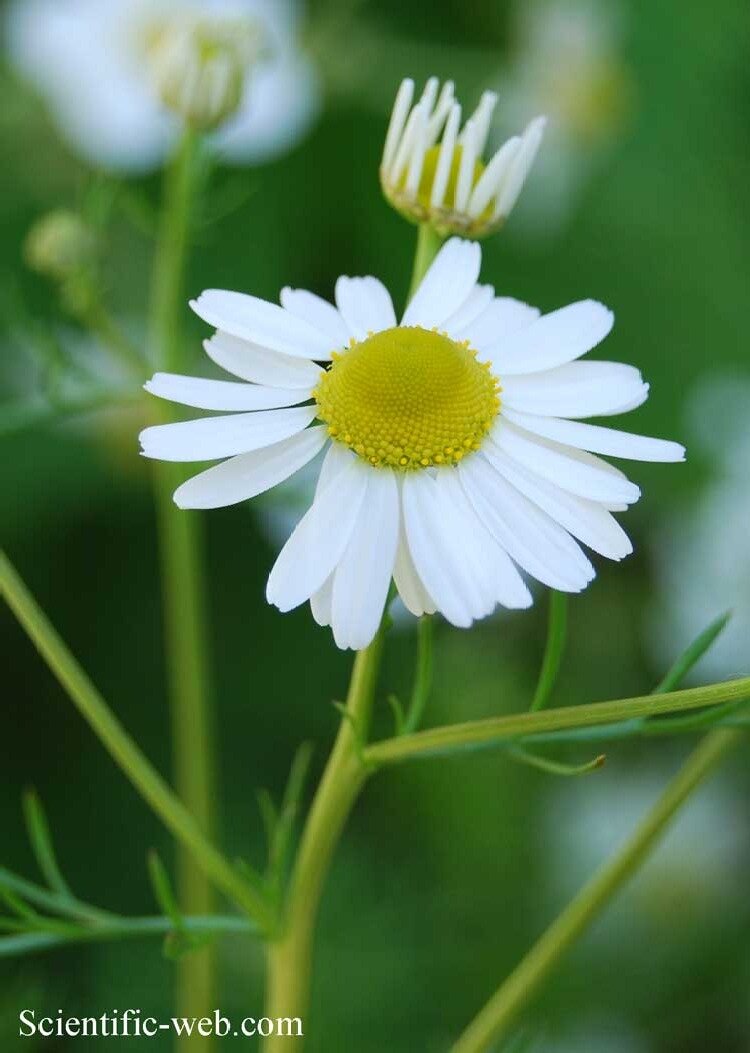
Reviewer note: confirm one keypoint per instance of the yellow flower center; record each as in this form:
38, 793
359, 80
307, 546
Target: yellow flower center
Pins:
409, 398
429, 170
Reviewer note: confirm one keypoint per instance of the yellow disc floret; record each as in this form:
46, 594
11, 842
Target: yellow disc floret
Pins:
409, 398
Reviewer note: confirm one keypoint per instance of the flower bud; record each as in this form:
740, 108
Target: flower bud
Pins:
432, 169
60, 245
199, 66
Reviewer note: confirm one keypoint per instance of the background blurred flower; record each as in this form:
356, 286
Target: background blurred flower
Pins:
105, 68
702, 553
568, 65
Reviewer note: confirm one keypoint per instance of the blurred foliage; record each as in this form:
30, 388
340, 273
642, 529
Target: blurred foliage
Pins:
444, 875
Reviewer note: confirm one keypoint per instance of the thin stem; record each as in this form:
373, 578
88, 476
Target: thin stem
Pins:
520, 725
290, 958
180, 545
98, 319
122, 748
428, 246
557, 623
502, 1011
423, 678
124, 929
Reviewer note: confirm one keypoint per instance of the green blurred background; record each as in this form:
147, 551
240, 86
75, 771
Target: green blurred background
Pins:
448, 868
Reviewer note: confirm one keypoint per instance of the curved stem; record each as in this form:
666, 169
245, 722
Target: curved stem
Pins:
290, 957
557, 623
180, 544
123, 749
501, 1013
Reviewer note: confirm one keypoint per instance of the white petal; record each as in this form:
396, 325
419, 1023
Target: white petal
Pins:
596, 439
519, 167
526, 533
579, 389
445, 157
318, 312
496, 323
365, 305
250, 474
320, 538
413, 594
556, 338
492, 177
435, 534
399, 114
495, 575
262, 323
469, 154
221, 394
320, 602
586, 520
260, 365
479, 299
447, 284
577, 472
209, 438
362, 578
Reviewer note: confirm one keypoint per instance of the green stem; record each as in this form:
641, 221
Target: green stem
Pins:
290, 957
123, 929
123, 749
502, 1011
521, 725
557, 624
98, 319
423, 677
428, 246
181, 544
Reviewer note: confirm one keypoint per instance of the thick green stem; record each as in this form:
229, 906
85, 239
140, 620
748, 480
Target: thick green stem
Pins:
428, 246
290, 957
123, 749
181, 543
501, 1013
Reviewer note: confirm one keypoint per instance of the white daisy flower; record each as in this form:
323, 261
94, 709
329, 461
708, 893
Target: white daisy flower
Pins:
120, 76
444, 180
455, 454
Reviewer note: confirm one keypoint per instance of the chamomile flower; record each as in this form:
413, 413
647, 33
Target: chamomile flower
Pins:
121, 76
432, 169
455, 453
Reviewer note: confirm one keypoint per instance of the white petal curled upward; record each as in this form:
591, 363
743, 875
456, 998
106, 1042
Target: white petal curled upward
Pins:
527, 534
261, 322
500, 319
318, 312
596, 439
250, 474
519, 167
577, 472
221, 394
365, 305
556, 338
210, 438
586, 520
413, 594
320, 538
259, 365
400, 112
493, 176
362, 578
435, 534
447, 284
495, 572
578, 389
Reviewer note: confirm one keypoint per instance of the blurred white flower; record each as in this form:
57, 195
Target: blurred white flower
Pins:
702, 559
568, 65
432, 169
113, 73
696, 868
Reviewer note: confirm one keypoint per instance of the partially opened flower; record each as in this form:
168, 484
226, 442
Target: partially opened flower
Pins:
455, 457
432, 169
120, 76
